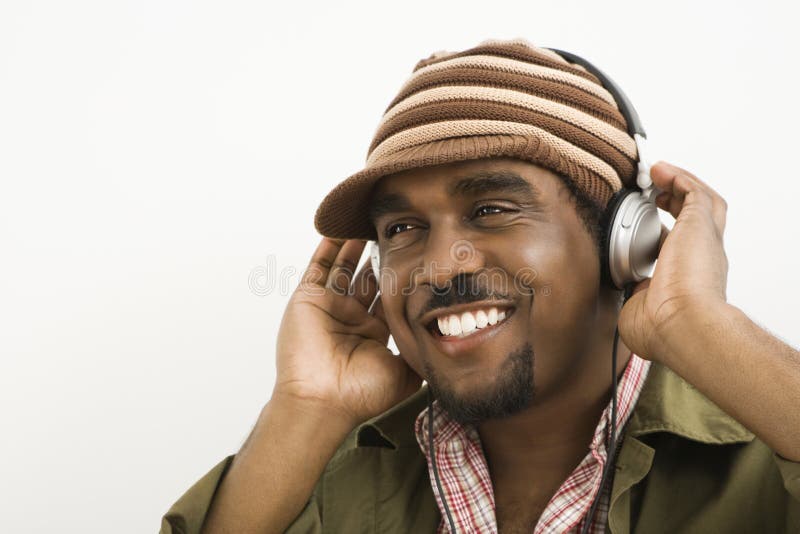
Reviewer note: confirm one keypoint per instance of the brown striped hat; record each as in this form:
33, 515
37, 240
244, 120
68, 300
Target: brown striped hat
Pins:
498, 99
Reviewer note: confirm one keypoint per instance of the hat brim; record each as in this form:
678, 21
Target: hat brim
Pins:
344, 212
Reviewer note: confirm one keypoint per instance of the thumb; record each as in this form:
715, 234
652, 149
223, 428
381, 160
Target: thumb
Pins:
641, 286
632, 325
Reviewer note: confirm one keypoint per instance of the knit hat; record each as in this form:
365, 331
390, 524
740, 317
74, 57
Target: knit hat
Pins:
498, 99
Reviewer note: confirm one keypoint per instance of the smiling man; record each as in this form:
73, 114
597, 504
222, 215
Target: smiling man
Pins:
488, 189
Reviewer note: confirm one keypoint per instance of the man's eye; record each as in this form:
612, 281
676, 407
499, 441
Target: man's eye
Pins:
488, 210
394, 229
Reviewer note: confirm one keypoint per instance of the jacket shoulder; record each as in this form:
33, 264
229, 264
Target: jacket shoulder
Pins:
186, 516
375, 480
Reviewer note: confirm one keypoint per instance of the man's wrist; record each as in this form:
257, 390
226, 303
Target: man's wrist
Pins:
693, 328
314, 411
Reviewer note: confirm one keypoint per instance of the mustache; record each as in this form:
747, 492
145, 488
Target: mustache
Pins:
461, 289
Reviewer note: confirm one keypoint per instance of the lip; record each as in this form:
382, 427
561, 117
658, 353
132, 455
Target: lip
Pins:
426, 319
454, 347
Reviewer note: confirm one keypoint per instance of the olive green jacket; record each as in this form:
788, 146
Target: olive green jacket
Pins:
684, 466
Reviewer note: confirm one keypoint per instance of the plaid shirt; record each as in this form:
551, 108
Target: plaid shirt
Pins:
467, 484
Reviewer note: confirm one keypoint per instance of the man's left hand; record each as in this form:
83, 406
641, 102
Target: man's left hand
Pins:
690, 276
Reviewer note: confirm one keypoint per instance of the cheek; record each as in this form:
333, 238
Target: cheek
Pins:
560, 262
566, 280
565, 303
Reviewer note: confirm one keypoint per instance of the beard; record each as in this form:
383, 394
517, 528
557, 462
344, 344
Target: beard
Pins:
511, 392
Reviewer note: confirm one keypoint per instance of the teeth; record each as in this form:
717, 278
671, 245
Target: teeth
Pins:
444, 326
455, 325
468, 322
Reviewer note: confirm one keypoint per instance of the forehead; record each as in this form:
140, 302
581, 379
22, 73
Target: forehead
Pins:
466, 177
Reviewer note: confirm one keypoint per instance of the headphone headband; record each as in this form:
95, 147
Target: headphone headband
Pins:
625, 106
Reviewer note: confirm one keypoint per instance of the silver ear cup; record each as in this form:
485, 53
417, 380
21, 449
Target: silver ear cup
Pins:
633, 244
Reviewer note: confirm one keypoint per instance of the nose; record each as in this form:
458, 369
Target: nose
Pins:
447, 256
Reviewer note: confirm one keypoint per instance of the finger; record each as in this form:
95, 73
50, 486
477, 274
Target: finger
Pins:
381, 319
321, 262
679, 183
696, 196
346, 316
674, 186
693, 177
365, 286
662, 237
354, 315
344, 266
678, 189
641, 286
377, 311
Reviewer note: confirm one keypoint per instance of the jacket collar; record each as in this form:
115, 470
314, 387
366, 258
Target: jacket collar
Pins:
667, 403
395, 426
670, 404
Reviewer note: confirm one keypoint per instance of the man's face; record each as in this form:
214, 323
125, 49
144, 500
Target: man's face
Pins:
496, 250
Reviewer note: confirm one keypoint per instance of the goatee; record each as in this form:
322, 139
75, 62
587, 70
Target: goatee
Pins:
511, 392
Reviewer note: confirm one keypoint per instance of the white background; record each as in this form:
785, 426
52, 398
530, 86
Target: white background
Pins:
153, 154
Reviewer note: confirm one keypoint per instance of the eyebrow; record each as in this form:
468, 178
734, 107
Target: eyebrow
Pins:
493, 181
388, 203
471, 185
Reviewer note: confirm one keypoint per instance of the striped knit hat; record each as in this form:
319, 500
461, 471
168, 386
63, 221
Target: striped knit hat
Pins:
499, 99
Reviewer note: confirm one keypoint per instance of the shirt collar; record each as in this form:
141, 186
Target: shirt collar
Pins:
667, 403
628, 391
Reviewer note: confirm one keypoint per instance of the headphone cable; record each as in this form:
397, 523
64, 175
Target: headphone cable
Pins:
433, 462
612, 438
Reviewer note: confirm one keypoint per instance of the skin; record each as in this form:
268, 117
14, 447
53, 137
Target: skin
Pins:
334, 370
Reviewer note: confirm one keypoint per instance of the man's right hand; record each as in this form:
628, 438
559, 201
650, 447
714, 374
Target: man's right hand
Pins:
330, 351
334, 372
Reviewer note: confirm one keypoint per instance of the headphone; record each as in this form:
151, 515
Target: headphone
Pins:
632, 228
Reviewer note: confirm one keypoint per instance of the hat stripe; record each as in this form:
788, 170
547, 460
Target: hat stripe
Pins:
443, 130
557, 92
600, 129
515, 49
438, 112
518, 67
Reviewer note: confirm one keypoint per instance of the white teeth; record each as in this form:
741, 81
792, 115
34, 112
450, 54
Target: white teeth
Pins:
444, 326
455, 326
468, 323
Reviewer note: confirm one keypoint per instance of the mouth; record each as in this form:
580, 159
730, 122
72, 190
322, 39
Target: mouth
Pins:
464, 323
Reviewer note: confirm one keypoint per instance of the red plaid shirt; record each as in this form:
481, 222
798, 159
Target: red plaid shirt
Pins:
467, 485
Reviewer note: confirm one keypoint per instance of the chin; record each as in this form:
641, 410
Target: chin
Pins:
472, 399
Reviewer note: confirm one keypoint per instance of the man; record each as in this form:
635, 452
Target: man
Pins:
485, 188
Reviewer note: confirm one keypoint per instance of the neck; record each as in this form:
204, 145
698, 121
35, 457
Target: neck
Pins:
547, 440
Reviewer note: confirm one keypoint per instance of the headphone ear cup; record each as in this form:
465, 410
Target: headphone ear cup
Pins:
633, 231
609, 217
